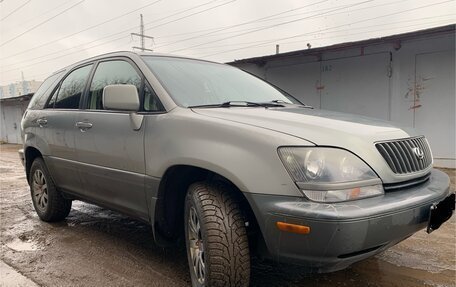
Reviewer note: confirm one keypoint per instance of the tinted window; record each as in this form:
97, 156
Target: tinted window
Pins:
192, 82
71, 89
109, 73
41, 95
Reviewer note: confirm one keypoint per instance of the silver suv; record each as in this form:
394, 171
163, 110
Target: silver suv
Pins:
235, 166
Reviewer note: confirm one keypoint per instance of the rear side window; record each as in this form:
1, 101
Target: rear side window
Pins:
71, 89
110, 73
41, 95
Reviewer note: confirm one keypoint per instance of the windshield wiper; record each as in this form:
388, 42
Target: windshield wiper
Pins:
238, 104
302, 105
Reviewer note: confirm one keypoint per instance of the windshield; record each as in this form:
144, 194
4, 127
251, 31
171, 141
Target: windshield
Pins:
195, 83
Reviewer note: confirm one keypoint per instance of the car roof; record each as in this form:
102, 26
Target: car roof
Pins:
126, 54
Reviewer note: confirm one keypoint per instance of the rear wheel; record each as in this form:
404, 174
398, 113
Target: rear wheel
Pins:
49, 203
216, 237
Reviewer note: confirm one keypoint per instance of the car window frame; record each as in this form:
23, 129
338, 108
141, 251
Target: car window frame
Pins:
56, 89
49, 91
141, 94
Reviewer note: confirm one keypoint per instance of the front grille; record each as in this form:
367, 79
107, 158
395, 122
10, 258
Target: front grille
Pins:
406, 155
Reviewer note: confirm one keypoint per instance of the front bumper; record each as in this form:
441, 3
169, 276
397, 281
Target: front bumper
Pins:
344, 233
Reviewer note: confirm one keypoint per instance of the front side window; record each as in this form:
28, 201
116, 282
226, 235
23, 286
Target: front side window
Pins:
39, 98
193, 82
71, 89
110, 73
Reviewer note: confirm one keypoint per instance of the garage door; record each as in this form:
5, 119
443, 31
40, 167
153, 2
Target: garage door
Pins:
300, 80
435, 104
358, 85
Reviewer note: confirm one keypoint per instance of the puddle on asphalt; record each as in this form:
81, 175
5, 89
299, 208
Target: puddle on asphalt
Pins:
20, 245
415, 261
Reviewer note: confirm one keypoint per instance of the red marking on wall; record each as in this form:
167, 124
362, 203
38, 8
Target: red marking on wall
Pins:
415, 107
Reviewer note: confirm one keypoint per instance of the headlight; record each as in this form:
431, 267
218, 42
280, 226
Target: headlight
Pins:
330, 174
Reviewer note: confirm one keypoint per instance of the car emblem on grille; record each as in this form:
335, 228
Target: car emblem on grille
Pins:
418, 152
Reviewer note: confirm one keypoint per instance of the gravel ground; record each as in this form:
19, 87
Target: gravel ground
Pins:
98, 247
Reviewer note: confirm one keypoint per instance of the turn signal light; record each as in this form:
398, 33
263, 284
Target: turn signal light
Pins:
293, 228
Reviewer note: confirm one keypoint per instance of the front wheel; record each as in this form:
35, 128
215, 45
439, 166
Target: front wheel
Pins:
216, 237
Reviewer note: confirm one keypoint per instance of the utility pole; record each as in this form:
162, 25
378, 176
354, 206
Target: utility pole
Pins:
142, 37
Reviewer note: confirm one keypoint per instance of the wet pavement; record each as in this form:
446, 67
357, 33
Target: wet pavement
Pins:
98, 247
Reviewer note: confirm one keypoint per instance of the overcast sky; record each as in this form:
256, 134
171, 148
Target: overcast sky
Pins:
41, 36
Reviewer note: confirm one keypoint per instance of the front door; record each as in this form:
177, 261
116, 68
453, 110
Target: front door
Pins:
110, 152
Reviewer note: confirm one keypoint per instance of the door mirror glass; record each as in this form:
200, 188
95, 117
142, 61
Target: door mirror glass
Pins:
121, 97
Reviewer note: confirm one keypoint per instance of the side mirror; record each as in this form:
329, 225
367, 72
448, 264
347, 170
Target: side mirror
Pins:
121, 97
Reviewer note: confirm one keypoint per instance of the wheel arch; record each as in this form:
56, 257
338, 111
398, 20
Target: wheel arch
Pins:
30, 154
169, 206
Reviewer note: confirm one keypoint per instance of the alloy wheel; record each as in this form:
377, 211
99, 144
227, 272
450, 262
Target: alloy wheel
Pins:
40, 190
196, 246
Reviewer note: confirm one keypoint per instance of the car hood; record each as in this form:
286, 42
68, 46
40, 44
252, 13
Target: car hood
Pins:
355, 133
317, 126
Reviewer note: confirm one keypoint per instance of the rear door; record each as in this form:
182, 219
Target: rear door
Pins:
55, 125
109, 151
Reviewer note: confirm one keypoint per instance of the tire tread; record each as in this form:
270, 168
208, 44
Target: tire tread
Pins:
228, 256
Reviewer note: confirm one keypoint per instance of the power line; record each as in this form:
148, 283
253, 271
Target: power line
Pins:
244, 23
261, 42
267, 43
348, 24
45, 13
232, 26
180, 11
108, 36
67, 54
15, 10
85, 29
196, 13
204, 30
271, 26
41, 23
118, 38
267, 18
425, 24
47, 73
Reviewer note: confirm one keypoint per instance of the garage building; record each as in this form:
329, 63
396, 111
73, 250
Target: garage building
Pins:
407, 78
11, 111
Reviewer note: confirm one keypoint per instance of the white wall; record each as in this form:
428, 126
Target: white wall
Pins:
412, 84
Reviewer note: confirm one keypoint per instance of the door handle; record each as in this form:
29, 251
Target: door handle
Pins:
41, 122
83, 126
